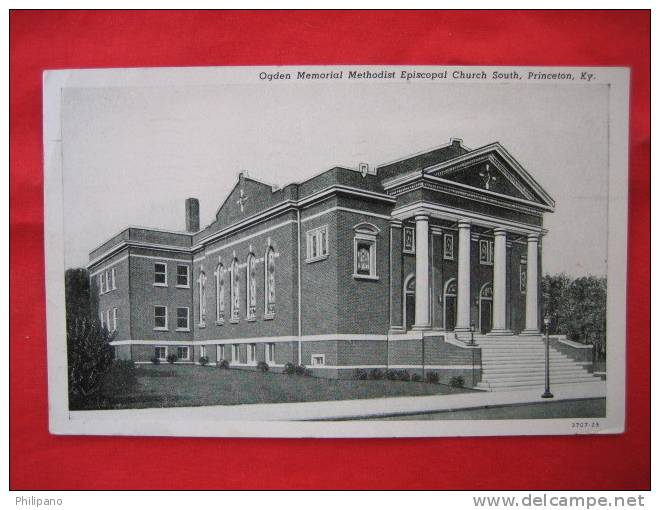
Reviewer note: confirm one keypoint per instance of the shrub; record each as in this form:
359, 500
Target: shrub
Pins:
203, 360
223, 363
457, 382
416, 378
300, 370
262, 366
289, 368
155, 360
171, 358
89, 357
403, 375
432, 377
360, 374
391, 375
376, 374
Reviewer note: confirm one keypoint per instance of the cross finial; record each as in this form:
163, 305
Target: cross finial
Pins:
488, 176
242, 199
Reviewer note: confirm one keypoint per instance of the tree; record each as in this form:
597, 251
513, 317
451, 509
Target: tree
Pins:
578, 308
89, 357
89, 353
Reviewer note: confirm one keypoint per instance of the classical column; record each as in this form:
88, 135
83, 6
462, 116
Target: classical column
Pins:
531, 296
396, 278
463, 291
499, 284
422, 272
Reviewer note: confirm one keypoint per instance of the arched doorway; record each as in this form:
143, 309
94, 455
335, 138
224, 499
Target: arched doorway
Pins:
409, 302
449, 299
486, 308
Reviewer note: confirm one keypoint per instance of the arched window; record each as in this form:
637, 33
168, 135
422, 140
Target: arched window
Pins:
235, 292
251, 287
220, 294
269, 283
201, 282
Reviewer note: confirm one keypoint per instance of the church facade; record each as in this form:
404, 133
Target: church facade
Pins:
397, 266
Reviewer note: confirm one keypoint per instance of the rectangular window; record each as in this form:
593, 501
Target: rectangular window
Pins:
108, 321
235, 354
101, 283
102, 319
270, 353
202, 351
160, 274
114, 319
182, 276
107, 281
160, 318
486, 249
318, 360
252, 353
160, 353
448, 245
317, 244
523, 276
182, 318
408, 240
365, 259
220, 352
183, 353
113, 273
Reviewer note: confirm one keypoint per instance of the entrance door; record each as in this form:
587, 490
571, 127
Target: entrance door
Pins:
486, 315
450, 312
486, 308
409, 303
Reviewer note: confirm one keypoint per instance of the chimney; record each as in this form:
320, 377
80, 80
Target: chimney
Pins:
456, 142
192, 215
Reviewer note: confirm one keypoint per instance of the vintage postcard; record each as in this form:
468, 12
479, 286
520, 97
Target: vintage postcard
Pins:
336, 251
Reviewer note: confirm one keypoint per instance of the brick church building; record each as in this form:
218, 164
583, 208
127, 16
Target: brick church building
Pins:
386, 267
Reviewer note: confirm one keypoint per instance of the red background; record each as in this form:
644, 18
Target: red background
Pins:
84, 39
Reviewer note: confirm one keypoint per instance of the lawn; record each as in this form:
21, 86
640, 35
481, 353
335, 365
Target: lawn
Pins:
177, 385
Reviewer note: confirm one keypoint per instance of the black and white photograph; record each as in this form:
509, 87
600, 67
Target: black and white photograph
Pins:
340, 251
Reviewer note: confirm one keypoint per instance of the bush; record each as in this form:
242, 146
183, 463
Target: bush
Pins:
89, 357
171, 358
289, 368
376, 374
155, 360
432, 377
262, 366
223, 363
391, 375
403, 375
301, 370
121, 379
360, 374
203, 360
457, 382
416, 378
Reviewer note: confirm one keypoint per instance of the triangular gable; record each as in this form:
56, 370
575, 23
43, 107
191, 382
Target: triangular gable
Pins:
248, 197
492, 168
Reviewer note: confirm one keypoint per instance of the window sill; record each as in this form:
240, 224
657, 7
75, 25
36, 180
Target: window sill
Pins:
485, 263
269, 316
220, 322
183, 329
160, 284
365, 277
183, 286
316, 259
201, 325
234, 321
449, 258
161, 329
250, 319
409, 252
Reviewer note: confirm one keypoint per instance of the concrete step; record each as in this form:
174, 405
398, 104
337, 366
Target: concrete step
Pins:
522, 371
529, 384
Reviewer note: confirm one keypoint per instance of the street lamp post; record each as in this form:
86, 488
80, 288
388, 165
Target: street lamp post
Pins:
472, 333
546, 393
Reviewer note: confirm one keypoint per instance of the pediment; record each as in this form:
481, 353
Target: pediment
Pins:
248, 197
493, 170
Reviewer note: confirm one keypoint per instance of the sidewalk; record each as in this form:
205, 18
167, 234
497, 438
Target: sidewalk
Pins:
379, 407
